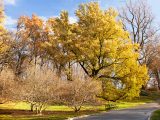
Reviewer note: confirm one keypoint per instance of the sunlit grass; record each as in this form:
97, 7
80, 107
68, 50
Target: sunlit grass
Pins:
26, 106
15, 105
123, 105
120, 104
63, 109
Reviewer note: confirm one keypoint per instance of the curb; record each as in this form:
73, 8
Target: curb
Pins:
149, 117
84, 116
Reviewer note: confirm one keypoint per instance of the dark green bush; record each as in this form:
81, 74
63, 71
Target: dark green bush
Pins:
144, 93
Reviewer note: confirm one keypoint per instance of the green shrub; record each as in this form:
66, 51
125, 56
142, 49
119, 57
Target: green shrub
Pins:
144, 93
110, 106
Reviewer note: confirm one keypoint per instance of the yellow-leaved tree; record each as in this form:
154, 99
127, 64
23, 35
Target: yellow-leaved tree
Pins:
30, 33
4, 40
60, 43
33, 32
3, 46
100, 45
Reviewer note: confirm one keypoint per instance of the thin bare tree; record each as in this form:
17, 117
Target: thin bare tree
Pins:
138, 19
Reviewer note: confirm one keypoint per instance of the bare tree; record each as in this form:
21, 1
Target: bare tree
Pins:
39, 88
82, 90
154, 66
7, 85
138, 19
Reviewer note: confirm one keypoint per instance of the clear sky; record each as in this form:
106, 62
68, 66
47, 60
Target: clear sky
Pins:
48, 8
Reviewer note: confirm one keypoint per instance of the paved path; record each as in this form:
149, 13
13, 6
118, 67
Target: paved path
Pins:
138, 113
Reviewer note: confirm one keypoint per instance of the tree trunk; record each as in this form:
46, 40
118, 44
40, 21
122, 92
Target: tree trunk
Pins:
143, 87
77, 109
32, 106
103, 87
158, 77
40, 109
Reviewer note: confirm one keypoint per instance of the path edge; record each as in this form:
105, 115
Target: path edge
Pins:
84, 116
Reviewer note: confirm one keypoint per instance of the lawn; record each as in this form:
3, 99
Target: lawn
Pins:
25, 106
20, 110
156, 115
47, 115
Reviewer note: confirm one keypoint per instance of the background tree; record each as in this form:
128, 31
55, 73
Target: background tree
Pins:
139, 21
60, 43
29, 35
155, 67
7, 85
5, 41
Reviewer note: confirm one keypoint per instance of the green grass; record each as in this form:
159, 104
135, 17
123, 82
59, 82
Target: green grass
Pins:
65, 112
123, 105
62, 112
25, 106
156, 115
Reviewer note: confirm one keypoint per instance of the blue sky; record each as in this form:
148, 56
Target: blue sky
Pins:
48, 8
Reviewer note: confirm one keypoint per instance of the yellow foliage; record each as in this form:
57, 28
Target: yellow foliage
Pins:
100, 45
3, 35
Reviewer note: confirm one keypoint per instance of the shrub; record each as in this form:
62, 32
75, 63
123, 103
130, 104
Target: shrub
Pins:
82, 90
144, 93
110, 106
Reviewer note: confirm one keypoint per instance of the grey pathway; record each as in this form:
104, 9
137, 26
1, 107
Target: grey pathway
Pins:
138, 113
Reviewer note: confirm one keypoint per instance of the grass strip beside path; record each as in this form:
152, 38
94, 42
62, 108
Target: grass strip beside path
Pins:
156, 115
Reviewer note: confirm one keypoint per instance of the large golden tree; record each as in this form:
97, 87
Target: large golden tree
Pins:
100, 45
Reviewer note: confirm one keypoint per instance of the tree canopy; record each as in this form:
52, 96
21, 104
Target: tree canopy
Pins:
100, 45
